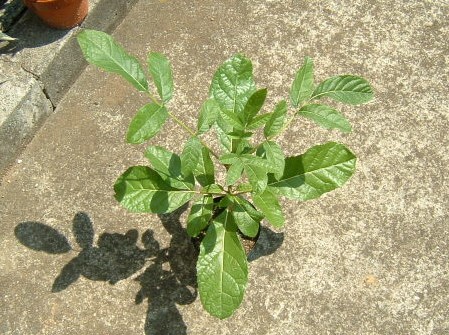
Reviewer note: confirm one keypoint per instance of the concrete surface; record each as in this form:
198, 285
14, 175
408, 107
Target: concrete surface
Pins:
369, 258
37, 70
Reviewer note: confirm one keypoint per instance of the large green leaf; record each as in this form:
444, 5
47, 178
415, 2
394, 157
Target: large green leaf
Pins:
222, 268
103, 51
204, 171
147, 123
346, 88
200, 215
269, 205
208, 115
275, 123
326, 117
190, 155
141, 189
246, 216
161, 72
168, 165
302, 86
320, 169
233, 84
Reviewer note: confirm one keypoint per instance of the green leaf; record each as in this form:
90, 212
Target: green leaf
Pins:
225, 140
168, 165
233, 84
244, 188
320, 169
272, 152
147, 123
257, 177
276, 121
346, 88
103, 51
208, 115
213, 189
204, 171
246, 217
249, 159
141, 189
229, 158
259, 121
255, 168
164, 161
269, 205
231, 120
326, 117
234, 172
222, 268
302, 86
190, 155
254, 105
243, 146
161, 72
200, 215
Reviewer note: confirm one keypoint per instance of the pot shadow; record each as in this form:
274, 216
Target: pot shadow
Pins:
168, 281
30, 32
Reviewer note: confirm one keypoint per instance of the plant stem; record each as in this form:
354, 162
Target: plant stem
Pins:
287, 124
182, 124
191, 132
152, 98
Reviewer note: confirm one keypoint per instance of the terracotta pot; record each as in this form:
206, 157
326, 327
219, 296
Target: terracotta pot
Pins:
61, 14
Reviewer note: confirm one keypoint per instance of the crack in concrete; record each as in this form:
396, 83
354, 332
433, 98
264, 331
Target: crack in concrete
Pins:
41, 84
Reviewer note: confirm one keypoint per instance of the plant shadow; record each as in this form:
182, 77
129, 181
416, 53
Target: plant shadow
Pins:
167, 276
170, 279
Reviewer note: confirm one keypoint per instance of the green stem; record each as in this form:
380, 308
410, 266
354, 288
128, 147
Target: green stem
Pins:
182, 124
191, 132
152, 98
284, 128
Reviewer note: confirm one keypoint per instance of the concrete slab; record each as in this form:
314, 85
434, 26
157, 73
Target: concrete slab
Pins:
370, 258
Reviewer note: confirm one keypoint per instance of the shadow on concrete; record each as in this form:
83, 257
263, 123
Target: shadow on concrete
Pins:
170, 278
268, 242
168, 281
31, 33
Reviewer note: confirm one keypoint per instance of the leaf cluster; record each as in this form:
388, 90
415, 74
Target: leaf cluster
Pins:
257, 174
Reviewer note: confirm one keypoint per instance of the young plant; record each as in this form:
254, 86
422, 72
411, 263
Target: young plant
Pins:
257, 173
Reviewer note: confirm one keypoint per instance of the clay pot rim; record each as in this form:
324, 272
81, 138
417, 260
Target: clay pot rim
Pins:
50, 3
43, 1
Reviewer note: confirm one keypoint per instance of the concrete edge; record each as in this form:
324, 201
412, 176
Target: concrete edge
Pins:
43, 81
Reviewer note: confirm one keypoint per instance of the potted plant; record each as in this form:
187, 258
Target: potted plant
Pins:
257, 172
60, 14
